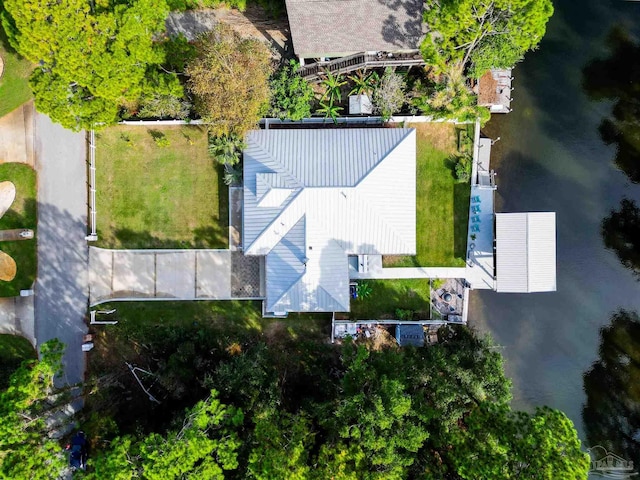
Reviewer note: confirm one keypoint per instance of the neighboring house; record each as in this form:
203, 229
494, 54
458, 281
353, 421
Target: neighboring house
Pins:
494, 90
314, 197
370, 32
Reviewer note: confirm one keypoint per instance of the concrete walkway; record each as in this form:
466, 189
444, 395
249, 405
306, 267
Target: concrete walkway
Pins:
159, 274
61, 291
375, 271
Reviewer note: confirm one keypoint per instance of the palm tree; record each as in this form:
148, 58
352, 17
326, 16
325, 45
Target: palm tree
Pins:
363, 83
333, 84
226, 149
330, 110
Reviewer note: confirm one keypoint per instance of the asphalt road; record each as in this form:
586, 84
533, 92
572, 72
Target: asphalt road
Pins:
61, 292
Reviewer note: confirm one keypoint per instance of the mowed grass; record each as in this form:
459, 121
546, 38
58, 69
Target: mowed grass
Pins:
13, 351
152, 196
389, 295
14, 83
442, 202
22, 214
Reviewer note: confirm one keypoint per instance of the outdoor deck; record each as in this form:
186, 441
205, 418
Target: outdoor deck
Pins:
359, 61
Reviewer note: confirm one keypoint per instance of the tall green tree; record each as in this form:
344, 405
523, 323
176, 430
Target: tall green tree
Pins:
26, 452
465, 31
230, 81
205, 447
92, 59
497, 443
291, 95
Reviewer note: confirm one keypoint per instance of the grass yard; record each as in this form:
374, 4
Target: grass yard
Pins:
22, 214
14, 83
442, 203
13, 351
389, 295
159, 188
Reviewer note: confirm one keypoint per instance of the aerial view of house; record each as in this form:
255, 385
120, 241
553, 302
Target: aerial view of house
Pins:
297, 239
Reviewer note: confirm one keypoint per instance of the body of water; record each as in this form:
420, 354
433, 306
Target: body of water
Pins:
551, 158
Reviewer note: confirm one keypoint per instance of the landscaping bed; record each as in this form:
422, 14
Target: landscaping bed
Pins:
21, 215
442, 202
159, 188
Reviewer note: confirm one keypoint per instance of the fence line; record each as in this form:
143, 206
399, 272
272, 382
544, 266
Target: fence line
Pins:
93, 217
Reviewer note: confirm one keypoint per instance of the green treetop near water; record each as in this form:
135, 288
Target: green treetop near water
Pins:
482, 34
93, 58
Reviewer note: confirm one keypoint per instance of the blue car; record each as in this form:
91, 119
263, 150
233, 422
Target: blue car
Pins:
78, 451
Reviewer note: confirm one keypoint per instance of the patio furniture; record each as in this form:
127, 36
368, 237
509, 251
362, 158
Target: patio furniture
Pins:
475, 199
475, 219
475, 228
447, 297
476, 209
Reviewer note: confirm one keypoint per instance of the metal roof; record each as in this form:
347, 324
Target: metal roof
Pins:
526, 252
335, 28
342, 192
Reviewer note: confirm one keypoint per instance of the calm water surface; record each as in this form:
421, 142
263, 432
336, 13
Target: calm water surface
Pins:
551, 157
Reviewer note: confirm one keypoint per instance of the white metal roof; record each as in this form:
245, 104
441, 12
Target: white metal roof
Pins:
526, 252
329, 193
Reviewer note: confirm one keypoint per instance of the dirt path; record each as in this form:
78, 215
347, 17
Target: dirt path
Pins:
253, 22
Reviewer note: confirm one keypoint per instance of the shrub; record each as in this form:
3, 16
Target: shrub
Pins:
164, 106
462, 168
232, 174
226, 149
402, 314
363, 290
291, 95
388, 97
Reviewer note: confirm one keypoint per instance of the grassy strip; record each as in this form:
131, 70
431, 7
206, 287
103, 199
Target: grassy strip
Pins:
158, 188
22, 214
14, 83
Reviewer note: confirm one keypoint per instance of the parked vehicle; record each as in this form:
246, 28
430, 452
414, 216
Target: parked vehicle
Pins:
78, 451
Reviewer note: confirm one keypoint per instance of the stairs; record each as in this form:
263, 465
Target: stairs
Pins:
339, 66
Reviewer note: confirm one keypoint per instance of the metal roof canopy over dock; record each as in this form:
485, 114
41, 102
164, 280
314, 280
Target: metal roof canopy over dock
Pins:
526, 252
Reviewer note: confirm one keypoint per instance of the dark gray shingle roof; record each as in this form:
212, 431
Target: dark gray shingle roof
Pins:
341, 27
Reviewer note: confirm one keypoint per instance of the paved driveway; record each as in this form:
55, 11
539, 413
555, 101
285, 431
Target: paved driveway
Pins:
159, 274
61, 292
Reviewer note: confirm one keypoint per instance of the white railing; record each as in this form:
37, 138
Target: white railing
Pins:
93, 236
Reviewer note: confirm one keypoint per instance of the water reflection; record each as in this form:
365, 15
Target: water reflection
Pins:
621, 233
618, 78
612, 412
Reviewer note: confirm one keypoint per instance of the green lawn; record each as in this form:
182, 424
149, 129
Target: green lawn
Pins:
442, 203
14, 84
389, 295
152, 196
22, 214
13, 351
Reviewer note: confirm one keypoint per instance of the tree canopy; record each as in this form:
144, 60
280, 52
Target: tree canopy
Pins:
317, 412
91, 59
26, 452
229, 79
488, 34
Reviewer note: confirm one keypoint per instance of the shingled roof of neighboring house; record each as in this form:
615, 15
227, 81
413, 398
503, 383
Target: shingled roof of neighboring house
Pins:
313, 197
335, 28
